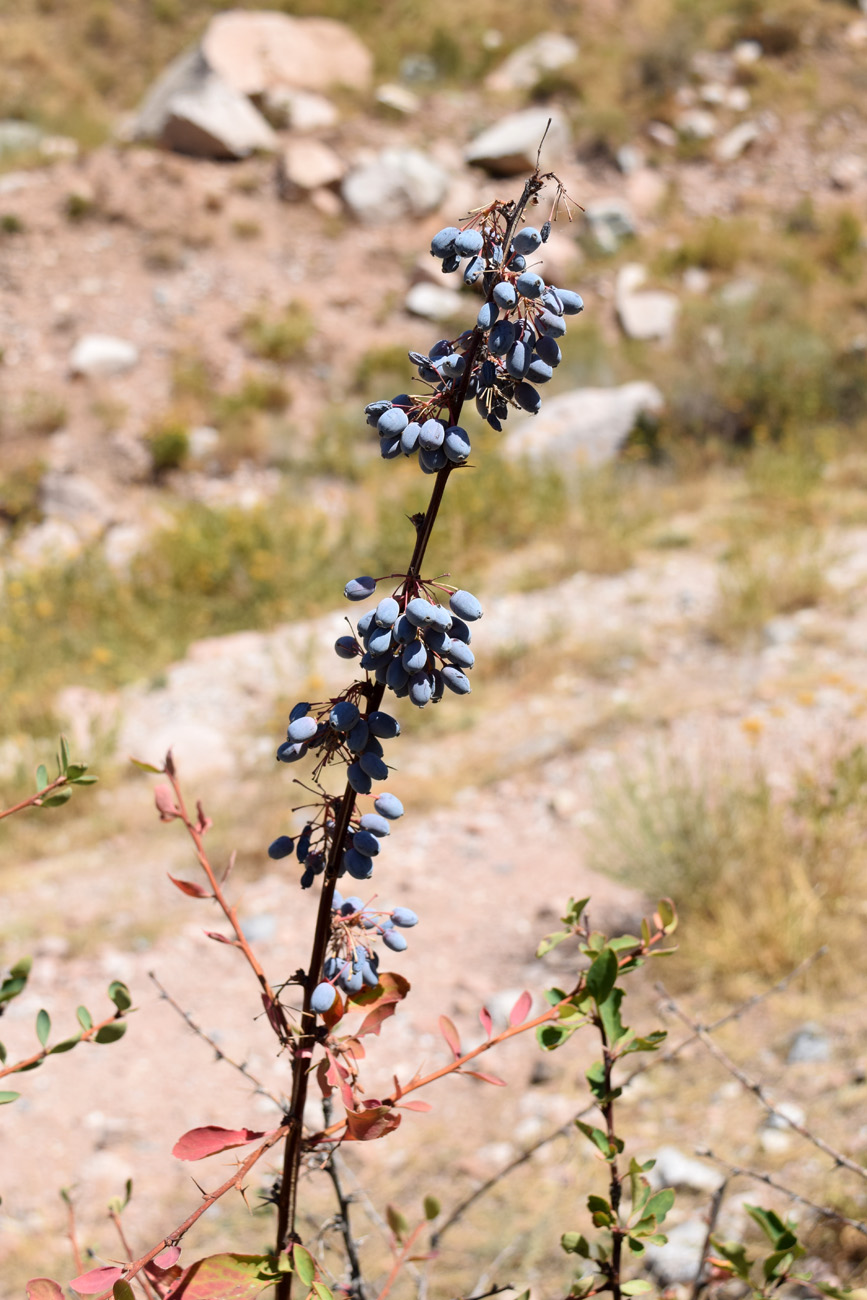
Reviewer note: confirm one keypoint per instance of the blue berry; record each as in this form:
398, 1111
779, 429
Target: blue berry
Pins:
432, 461
528, 284
432, 434
488, 313
392, 422
359, 588
396, 676
457, 445
405, 917
394, 940
302, 729
527, 397
322, 998
387, 612
366, 843
390, 447
299, 710
518, 360
504, 295
500, 339
572, 302
414, 657
420, 612
443, 242
409, 438
357, 738
290, 752
352, 904
460, 631
388, 806
465, 605
358, 866
344, 715
383, 725
456, 681
527, 240
548, 350
420, 689
373, 766
460, 654
548, 323
347, 647
379, 640
539, 372
365, 623
474, 270
280, 848
376, 824
358, 779
468, 243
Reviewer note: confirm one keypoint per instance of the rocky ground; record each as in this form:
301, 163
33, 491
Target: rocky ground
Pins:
113, 265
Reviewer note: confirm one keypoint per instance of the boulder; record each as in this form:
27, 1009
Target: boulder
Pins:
256, 51
587, 425
299, 110
846, 171
674, 1168
696, 124
19, 137
643, 313
308, 165
98, 355
394, 184
679, 1259
77, 501
548, 52
190, 109
433, 302
398, 98
610, 221
510, 146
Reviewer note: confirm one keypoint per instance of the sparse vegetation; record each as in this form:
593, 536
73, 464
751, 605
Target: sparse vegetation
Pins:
282, 336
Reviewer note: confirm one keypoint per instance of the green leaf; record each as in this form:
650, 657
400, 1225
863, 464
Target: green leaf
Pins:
609, 1014
8, 1096
582, 1286
622, 942
322, 1292
602, 975
637, 1247
43, 1026
86, 780
85, 1019
226, 1277
56, 799
770, 1223
659, 1204
305, 1265
667, 915
553, 996
600, 1139
431, 1208
637, 1286
22, 968
575, 912
41, 777
66, 1046
597, 1203
575, 1243
75, 770
735, 1252
595, 1077
396, 1221
778, 1264
552, 941
64, 754
2, 1054
647, 1044
550, 1037
122, 1291
119, 995
111, 1032
147, 767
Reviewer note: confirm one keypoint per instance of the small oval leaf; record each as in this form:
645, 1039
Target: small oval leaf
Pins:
521, 1009
43, 1026
120, 995
42, 1288
85, 1019
450, 1034
110, 1033
6, 1097
96, 1281
304, 1264
210, 1139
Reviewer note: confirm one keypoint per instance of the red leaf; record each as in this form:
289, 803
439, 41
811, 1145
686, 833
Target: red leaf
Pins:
168, 1257
521, 1009
487, 1022
450, 1034
416, 1105
223, 1277
164, 798
189, 887
42, 1288
367, 1125
96, 1281
391, 988
486, 1078
210, 1139
218, 938
204, 823
375, 1019
274, 1012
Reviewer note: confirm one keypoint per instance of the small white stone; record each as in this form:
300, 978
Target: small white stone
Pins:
98, 355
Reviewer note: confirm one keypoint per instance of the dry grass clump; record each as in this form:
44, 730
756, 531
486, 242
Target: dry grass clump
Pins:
760, 878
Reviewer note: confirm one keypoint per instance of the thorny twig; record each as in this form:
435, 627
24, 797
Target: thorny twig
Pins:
218, 1051
698, 1284
752, 1085
742, 1171
563, 1130
333, 1168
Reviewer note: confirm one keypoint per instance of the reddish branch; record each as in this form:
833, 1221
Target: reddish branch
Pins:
85, 1036
35, 800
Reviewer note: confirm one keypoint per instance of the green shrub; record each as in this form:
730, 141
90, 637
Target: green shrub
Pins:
169, 447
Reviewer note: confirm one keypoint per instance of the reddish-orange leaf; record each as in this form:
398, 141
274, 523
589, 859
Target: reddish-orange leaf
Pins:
450, 1034
375, 1019
521, 1009
42, 1288
164, 798
96, 1281
416, 1105
367, 1125
486, 1078
487, 1022
189, 887
210, 1139
218, 938
167, 1258
223, 1277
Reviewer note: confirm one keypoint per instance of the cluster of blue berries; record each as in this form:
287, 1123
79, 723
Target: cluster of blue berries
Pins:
512, 349
340, 730
354, 963
361, 846
414, 646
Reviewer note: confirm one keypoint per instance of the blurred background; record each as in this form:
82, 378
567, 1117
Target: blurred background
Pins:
214, 231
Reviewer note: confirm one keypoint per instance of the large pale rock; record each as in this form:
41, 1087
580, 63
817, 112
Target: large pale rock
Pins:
99, 355
215, 121
548, 52
736, 141
299, 110
678, 1260
675, 1169
19, 137
396, 183
510, 146
433, 302
587, 425
611, 221
308, 165
77, 501
644, 313
255, 52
